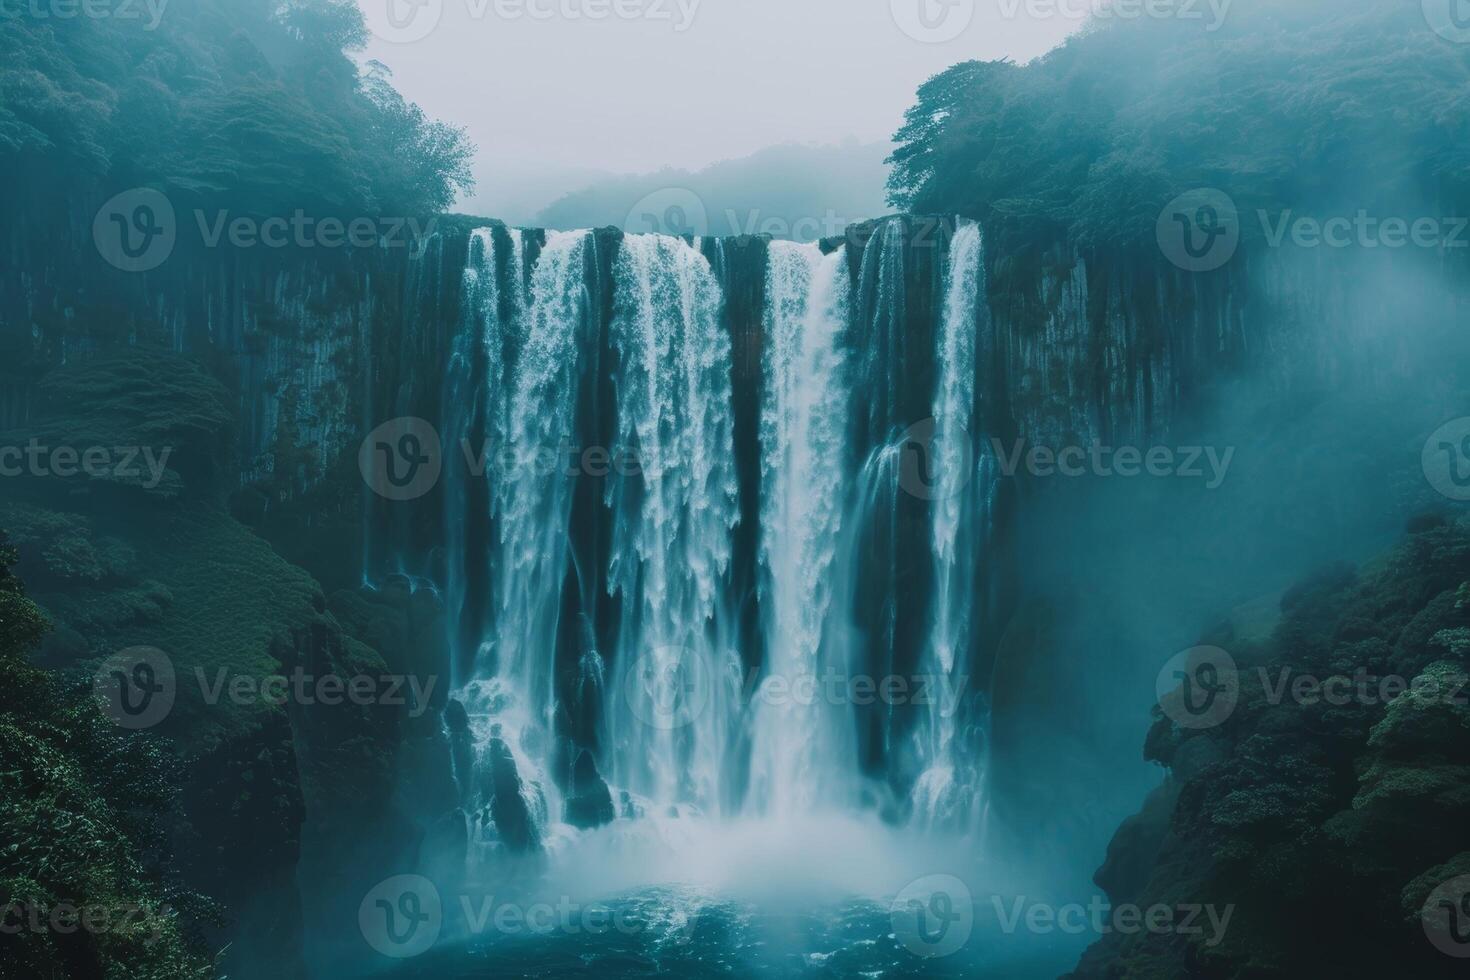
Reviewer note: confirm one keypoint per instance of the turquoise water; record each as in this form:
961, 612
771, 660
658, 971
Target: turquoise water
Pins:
855, 939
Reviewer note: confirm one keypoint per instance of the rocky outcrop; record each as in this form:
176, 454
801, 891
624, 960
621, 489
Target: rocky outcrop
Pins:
1294, 801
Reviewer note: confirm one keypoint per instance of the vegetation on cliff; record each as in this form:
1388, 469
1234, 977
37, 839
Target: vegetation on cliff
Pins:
82, 804
156, 561
255, 105
1303, 104
1319, 813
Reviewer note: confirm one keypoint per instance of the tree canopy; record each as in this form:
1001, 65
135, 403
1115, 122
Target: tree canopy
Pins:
1327, 103
255, 103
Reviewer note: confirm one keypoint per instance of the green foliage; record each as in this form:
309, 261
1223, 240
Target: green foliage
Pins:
1300, 802
254, 105
160, 407
80, 802
1314, 103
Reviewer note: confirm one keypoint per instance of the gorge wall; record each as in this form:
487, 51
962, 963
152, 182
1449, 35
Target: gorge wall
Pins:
815, 489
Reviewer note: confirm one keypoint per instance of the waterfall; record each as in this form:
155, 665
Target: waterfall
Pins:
672, 712
801, 737
603, 643
947, 793
511, 700
476, 413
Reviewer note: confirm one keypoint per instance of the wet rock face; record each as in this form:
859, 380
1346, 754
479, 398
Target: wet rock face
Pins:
508, 808
590, 803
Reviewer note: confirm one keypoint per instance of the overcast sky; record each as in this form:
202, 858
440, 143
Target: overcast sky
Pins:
554, 90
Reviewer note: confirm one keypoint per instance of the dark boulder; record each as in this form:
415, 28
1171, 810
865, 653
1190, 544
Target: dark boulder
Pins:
589, 803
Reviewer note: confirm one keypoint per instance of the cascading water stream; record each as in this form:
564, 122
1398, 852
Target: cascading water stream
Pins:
949, 791
802, 744
555, 579
476, 412
511, 700
672, 713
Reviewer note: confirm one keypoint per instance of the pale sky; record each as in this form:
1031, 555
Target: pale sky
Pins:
553, 90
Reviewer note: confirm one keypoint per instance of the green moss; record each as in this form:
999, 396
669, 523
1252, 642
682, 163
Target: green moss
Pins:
232, 596
200, 587
79, 803
65, 545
